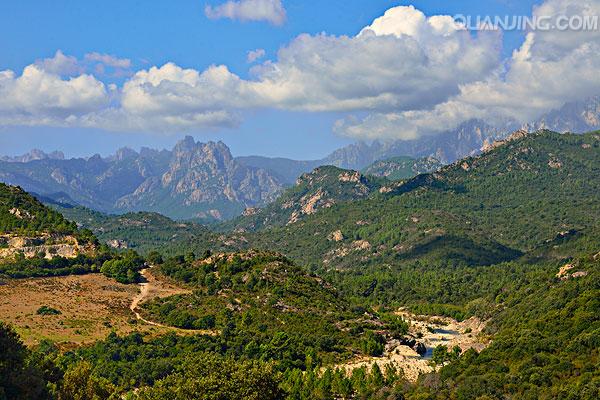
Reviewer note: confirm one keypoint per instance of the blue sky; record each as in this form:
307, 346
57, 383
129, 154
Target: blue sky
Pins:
152, 33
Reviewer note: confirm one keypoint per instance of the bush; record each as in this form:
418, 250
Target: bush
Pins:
45, 310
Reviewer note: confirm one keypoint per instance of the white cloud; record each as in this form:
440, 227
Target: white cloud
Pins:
249, 10
255, 55
408, 73
60, 64
39, 97
374, 70
108, 60
548, 70
378, 69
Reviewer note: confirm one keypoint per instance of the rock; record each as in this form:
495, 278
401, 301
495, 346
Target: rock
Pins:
579, 274
408, 341
555, 164
564, 269
117, 244
336, 236
250, 211
20, 214
420, 349
350, 177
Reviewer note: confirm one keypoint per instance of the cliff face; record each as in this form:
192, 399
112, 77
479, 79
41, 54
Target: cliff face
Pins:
203, 180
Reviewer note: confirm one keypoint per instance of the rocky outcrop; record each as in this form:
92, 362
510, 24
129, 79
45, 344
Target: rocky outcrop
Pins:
48, 246
516, 135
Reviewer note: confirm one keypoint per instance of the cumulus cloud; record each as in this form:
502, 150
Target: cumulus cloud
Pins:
40, 97
255, 55
406, 74
185, 97
375, 70
378, 69
60, 64
249, 10
549, 69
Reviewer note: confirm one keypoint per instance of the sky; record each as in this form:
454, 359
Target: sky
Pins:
283, 78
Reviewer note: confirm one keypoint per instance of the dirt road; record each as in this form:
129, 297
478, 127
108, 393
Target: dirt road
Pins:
153, 288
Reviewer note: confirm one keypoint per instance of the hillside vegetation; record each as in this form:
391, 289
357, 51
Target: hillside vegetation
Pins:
37, 241
22, 213
478, 211
397, 168
144, 231
260, 297
320, 189
510, 239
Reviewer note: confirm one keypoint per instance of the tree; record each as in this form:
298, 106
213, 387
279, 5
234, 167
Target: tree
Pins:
154, 258
209, 377
80, 384
18, 379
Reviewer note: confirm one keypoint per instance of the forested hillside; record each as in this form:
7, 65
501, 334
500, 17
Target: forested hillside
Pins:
478, 211
22, 213
37, 241
508, 240
145, 231
320, 189
397, 168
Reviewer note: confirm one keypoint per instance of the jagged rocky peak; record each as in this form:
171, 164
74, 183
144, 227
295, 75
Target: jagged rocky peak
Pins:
190, 155
577, 117
217, 152
186, 144
490, 145
125, 153
35, 154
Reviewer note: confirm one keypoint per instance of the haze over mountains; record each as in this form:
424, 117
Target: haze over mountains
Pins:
205, 181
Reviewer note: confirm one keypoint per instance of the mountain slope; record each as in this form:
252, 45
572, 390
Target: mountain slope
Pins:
397, 168
21, 212
285, 169
577, 117
449, 146
144, 231
202, 181
511, 199
38, 241
314, 191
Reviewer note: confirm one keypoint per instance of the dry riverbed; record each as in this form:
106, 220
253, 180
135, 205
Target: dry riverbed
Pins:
432, 332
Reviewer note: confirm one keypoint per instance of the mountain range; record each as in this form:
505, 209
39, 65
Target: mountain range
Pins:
193, 180
203, 181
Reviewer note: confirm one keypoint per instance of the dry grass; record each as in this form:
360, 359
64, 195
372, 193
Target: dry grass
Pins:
91, 307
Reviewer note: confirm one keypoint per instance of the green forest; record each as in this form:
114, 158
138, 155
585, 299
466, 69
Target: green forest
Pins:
272, 310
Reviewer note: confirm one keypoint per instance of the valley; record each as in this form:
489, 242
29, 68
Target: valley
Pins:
428, 286
291, 200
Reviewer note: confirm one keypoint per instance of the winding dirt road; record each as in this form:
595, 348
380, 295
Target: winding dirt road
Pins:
141, 296
152, 288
